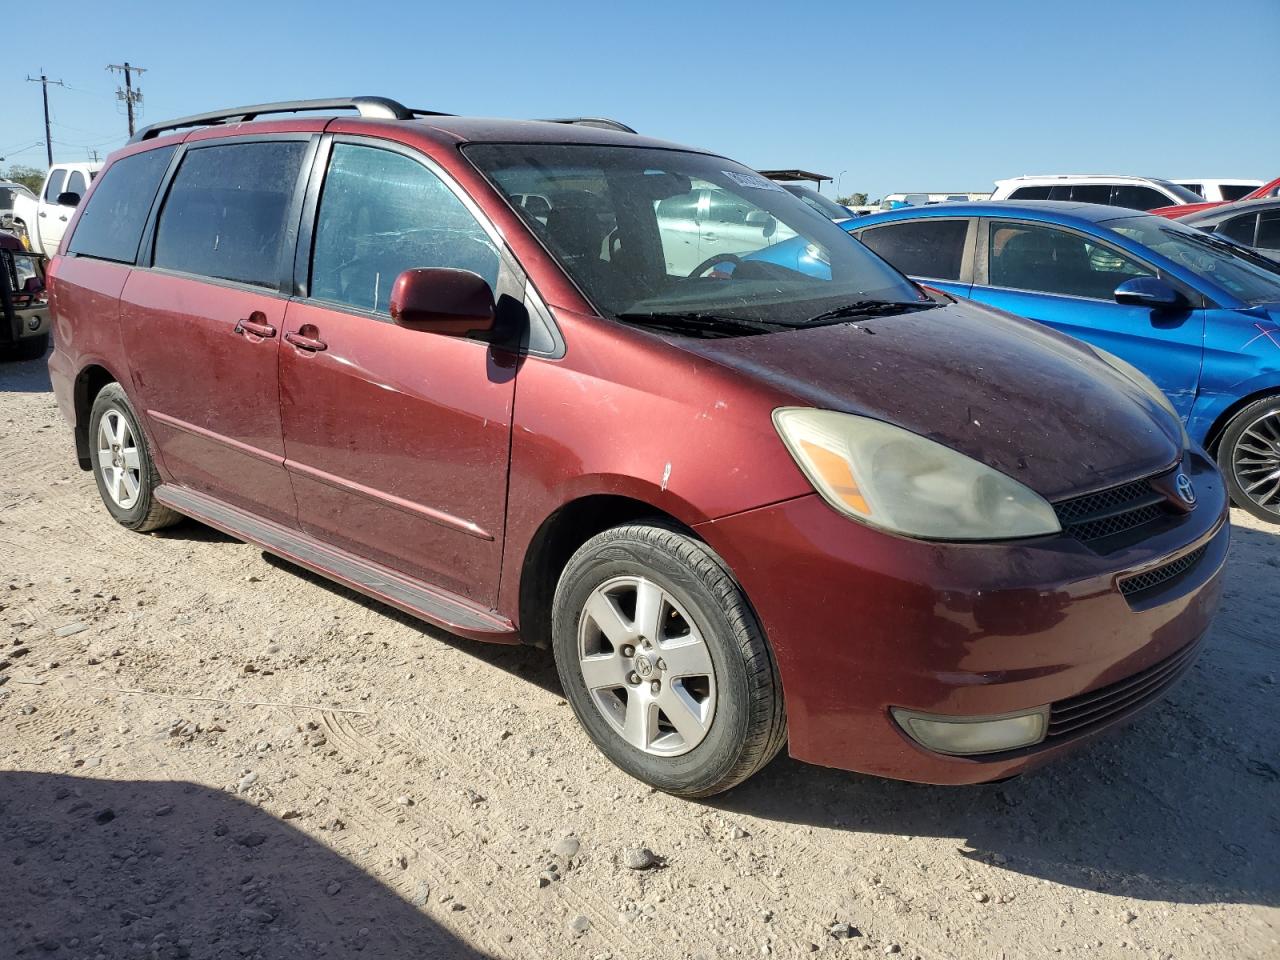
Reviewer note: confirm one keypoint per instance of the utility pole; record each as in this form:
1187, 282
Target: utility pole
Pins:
44, 84
129, 95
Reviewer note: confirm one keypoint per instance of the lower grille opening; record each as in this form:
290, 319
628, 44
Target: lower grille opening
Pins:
1080, 714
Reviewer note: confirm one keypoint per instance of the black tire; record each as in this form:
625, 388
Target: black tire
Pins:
145, 514
28, 348
1228, 452
748, 726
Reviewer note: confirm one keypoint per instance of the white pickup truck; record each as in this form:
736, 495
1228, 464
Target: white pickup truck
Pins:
47, 223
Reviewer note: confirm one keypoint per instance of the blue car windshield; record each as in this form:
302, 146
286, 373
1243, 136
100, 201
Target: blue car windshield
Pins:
650, 232
1246, 275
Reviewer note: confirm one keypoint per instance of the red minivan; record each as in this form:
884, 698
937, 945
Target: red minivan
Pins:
524, 380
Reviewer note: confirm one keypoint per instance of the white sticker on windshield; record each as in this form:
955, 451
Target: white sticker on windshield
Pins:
752, 180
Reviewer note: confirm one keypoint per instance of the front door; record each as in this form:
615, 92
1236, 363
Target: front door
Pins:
397, 440
1067, 279
202, 319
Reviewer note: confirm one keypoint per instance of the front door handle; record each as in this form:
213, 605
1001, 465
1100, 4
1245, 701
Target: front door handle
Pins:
256, 324
310, 344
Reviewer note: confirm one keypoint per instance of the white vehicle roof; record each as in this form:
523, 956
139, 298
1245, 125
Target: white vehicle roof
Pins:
87, 166
1078, 177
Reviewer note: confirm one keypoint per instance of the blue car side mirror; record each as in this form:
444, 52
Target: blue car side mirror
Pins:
1149, 292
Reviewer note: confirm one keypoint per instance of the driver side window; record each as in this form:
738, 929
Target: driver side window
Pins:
382, 213
1025, 256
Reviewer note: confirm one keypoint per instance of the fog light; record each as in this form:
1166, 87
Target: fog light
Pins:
34, 323
963, 736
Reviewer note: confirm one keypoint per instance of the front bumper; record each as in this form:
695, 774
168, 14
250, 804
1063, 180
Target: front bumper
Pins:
25, 322
862, 621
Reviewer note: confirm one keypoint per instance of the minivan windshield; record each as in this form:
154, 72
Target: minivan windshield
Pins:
689, 238
1246, 275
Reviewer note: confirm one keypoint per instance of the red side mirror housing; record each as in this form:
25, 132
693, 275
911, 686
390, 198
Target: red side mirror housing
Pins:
453, 303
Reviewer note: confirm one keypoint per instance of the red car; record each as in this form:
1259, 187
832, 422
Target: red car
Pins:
518, 379
1271, 189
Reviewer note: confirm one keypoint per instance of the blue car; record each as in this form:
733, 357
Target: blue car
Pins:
1199, 315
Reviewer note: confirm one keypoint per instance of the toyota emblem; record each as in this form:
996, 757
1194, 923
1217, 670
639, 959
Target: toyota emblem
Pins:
1186, 491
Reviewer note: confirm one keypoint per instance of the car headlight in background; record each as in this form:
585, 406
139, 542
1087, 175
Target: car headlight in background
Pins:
964, 736
899, 481
1127, 369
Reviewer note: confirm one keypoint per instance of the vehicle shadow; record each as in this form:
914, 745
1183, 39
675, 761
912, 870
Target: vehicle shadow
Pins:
520, 660
1183, 804
170, 869
25, 376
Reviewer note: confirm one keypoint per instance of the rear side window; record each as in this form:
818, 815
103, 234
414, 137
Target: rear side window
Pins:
1139, 198
1234, 191
921, 248
225, 214
1239, 229
110, 226
54, 187
76, 183
1091, 193
1196, 187
1269, 230
382, 213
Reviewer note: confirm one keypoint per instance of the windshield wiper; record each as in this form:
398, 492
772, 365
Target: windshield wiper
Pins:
708, 323
866, 308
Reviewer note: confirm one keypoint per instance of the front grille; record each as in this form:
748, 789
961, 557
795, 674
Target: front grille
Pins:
1078, 715
1116, 517
1158, 576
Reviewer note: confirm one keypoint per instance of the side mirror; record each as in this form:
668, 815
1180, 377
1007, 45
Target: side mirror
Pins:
68, 199
452, 303
1149, 292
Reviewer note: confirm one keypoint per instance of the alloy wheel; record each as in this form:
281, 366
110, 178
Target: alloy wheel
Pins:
118, 461
1256, 461
646, 666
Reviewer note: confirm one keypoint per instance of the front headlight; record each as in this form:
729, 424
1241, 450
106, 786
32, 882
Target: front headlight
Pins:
1127, 369
894, 479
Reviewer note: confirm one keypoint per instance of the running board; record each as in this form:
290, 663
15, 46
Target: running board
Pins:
453, 613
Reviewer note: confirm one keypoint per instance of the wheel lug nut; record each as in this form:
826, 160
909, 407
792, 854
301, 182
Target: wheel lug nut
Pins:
628, 651
655, 686
633, 677
662, 664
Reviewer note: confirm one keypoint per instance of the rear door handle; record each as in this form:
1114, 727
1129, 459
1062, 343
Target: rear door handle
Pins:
310, 344
256, 324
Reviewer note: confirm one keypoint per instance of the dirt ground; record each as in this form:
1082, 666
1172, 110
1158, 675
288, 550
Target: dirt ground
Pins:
205, 752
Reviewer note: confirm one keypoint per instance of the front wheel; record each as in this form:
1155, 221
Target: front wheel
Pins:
1249, 457
664, 662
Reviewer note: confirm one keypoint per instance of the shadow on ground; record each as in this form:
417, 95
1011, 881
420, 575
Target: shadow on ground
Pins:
25, 376
1183, 804
169, 869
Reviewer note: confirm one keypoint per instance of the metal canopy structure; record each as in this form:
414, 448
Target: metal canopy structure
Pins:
788, 175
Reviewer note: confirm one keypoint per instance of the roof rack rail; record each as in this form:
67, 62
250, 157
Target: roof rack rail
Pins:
382, 108
604, 123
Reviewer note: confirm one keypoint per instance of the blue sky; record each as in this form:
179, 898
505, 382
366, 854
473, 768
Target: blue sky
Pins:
900, 94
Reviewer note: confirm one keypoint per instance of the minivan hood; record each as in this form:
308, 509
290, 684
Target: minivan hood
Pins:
1029, 402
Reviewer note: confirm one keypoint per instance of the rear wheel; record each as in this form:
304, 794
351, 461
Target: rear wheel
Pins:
122, 464
1249, 456
664, 662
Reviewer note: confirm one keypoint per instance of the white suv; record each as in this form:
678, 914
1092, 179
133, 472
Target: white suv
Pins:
1137, 193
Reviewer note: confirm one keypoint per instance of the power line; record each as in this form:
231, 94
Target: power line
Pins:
128, 94
44, 86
